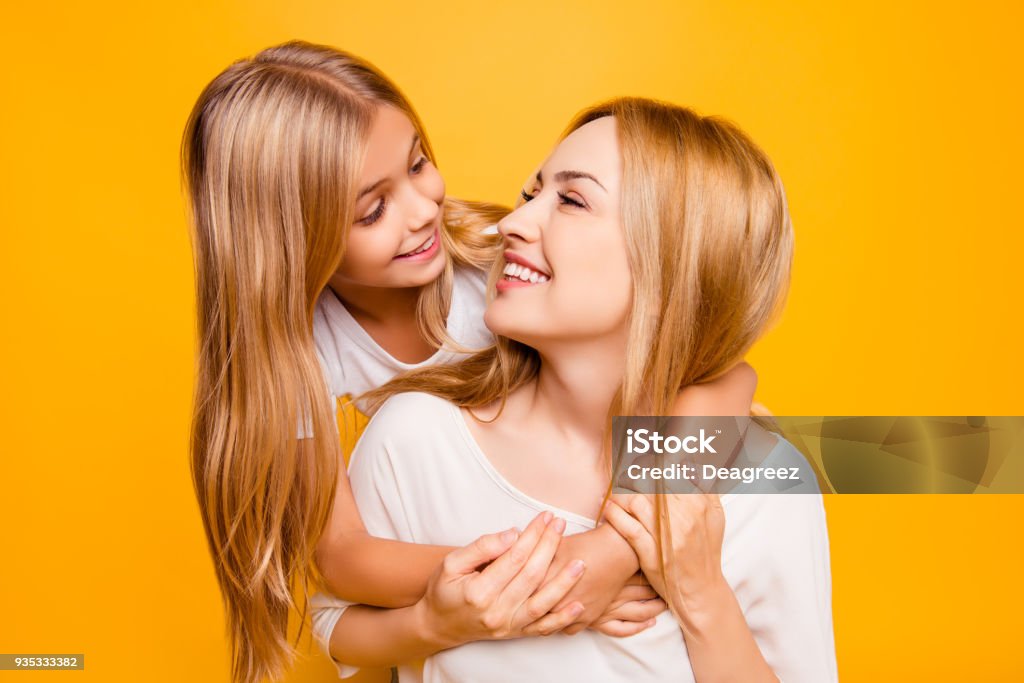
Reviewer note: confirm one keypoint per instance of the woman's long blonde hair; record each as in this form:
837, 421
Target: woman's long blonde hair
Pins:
271, 157
709, 243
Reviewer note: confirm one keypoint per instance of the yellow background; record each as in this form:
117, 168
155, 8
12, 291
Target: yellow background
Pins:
896, 127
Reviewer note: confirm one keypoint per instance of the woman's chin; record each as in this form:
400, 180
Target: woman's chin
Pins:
503, 323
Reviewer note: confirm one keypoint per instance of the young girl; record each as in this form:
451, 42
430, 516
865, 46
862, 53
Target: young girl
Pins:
328, 260
680, 222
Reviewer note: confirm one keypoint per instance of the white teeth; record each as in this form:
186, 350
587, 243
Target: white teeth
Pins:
516, 271
426, 245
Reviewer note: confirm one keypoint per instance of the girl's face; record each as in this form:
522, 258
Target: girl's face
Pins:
394, 241
566, 276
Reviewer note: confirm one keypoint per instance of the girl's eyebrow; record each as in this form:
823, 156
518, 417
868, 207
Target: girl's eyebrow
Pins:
367, 190
562, 176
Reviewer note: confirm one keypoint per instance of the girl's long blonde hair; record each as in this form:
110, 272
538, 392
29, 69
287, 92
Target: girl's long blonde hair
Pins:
709, 243
271, 157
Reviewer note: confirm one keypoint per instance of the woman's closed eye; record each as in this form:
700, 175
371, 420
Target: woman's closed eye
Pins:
563, 199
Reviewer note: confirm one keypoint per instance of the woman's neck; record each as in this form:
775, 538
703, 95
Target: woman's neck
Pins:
576, 386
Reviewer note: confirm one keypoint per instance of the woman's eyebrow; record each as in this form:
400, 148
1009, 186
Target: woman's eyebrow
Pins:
562, 176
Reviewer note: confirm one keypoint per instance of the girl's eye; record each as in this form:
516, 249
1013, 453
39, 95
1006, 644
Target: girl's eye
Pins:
526, 197
418, 166
375, 215
566, 199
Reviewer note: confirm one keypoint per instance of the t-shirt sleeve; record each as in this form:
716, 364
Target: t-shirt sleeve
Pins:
377, 488
326, 610
790, 614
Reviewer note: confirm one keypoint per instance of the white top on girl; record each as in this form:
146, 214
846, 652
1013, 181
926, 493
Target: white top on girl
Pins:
419, 476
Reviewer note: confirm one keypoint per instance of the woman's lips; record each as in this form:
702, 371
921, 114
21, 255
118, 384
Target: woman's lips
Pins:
425, 251
517, 275
513, 257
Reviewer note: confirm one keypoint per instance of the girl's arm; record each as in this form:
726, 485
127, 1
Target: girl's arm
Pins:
364, 569
730, 394
361, 568
463, 604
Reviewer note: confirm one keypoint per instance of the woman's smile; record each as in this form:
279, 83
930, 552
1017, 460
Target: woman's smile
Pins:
519, 272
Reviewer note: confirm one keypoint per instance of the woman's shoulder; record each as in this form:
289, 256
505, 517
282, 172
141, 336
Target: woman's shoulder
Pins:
409, 432
414, 402
411, 414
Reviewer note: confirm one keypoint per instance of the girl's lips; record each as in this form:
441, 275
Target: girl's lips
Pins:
426, 254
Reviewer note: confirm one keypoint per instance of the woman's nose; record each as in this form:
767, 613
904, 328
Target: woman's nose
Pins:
521, 223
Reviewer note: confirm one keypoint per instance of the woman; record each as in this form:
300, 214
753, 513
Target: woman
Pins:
328, 259
651, 250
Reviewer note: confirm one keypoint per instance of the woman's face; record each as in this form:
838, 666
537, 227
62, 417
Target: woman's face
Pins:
566, 276
394, 241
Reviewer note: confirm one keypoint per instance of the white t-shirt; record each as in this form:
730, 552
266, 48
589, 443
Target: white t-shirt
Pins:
419, 476
353, 363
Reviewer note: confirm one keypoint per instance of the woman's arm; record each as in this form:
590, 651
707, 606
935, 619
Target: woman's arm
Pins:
719, 643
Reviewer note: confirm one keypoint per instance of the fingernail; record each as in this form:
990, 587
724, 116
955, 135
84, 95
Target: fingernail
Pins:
651, 622
576, 568
559, 525
509, 536
546, 517
576, 609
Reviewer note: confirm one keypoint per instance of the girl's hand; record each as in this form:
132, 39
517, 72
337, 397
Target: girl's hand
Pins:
611, 563
633, 610
689, 570
491, 589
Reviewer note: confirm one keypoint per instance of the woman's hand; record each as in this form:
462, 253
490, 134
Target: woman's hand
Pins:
691, 567
491, 589
687, 572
